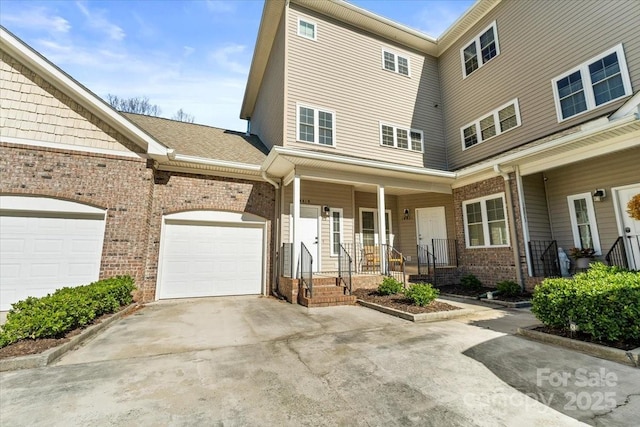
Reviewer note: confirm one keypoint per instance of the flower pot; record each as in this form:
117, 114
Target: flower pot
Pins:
583, 263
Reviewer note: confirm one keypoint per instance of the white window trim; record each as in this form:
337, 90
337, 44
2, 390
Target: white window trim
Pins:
587, 86
315, 28
496, 119
476, 41
376, 234
592, 221
395, 137
331, 242
396, 65
485, 221
316, 124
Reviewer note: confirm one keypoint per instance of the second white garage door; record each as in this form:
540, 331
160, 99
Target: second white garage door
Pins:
211, 258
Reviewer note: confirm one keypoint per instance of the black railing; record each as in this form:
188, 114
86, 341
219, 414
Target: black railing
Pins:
394, 264
633, 250
544, 258
445, 252
306, 270
366, 258
345, 264
617, 255
426, 260
285, 264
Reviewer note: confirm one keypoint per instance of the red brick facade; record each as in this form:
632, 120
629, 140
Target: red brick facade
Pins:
135, 197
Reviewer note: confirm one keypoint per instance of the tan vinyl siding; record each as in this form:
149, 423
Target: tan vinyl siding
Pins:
539, 41
34, 110
407, 228
267, 119
603, 172
536, 207
342, 71
322, 194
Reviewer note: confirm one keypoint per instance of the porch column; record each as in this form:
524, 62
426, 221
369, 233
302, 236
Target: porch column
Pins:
382, 229
295, 251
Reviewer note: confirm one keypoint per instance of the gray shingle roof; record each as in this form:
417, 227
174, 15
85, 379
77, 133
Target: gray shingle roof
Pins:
202, 141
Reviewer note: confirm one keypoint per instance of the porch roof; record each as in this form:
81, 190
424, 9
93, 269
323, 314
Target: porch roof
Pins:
365, 174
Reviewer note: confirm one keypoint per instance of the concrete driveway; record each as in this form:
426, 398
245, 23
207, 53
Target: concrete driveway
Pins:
259, 361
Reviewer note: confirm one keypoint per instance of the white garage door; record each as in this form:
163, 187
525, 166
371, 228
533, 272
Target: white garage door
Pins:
222, 256
46, 244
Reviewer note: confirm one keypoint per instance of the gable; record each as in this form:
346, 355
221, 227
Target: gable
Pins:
34, 111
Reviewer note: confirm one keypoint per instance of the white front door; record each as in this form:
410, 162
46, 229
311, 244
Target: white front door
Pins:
431, 223
630, 227
309, 230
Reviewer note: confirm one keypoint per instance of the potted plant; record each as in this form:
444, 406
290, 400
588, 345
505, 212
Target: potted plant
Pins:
583, 256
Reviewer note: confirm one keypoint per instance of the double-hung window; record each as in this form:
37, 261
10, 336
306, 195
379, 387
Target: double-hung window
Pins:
583, 222
335, 225
485, 222
315, 125
399, 137
395, 62
481, 50
596, 82
493, 124
306, 29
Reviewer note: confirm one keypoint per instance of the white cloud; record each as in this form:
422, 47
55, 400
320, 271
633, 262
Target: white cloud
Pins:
223, 58
36, 18
97, 20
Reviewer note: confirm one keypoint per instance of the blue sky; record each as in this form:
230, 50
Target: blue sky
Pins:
193, 55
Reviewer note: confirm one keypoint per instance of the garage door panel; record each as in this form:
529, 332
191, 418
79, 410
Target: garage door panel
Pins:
205, 259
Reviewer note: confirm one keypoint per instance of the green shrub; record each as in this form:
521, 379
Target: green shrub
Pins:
471, 282
508, 288
603, 302
422, 293
64, 310
390, 286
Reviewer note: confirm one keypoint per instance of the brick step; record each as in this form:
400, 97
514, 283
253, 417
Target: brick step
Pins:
324, 281
327, 301
327, 290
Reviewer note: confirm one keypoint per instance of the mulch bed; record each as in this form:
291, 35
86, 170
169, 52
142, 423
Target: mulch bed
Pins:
461, 290
581, 336
399, 302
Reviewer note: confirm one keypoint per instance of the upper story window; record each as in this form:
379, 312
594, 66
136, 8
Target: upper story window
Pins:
485, 222
596, 82
481, 50
306, 28
398, 137
395, 62
315, 125
493, 124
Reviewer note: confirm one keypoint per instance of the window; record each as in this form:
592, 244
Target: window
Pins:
306, 29
485, 222
316, 126
369, 227
583, 222
335, 225
495, 123
592, 84
395, 62
481, 50
398, 137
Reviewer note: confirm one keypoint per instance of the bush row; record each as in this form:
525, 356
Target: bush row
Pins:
420, 293
64, 310
603, 302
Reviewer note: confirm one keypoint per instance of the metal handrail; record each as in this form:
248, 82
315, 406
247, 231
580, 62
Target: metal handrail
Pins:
345, 267
395, 262
445, 251
306, 269
550, 261
617, 255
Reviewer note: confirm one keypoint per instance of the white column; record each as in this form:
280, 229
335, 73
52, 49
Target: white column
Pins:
382, 229
295, 251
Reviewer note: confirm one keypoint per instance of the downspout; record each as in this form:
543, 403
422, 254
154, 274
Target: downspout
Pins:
512, 224
275, 232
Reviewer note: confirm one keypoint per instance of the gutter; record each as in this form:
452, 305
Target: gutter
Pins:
512, 224
172, 155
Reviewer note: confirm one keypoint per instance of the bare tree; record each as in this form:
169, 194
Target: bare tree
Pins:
183, 117
140, 105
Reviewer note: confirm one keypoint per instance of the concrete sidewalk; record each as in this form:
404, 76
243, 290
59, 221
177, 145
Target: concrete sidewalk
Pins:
258, 361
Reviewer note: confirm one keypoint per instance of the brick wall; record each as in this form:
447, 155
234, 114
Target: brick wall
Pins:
178, 192
122, 186
490, 265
